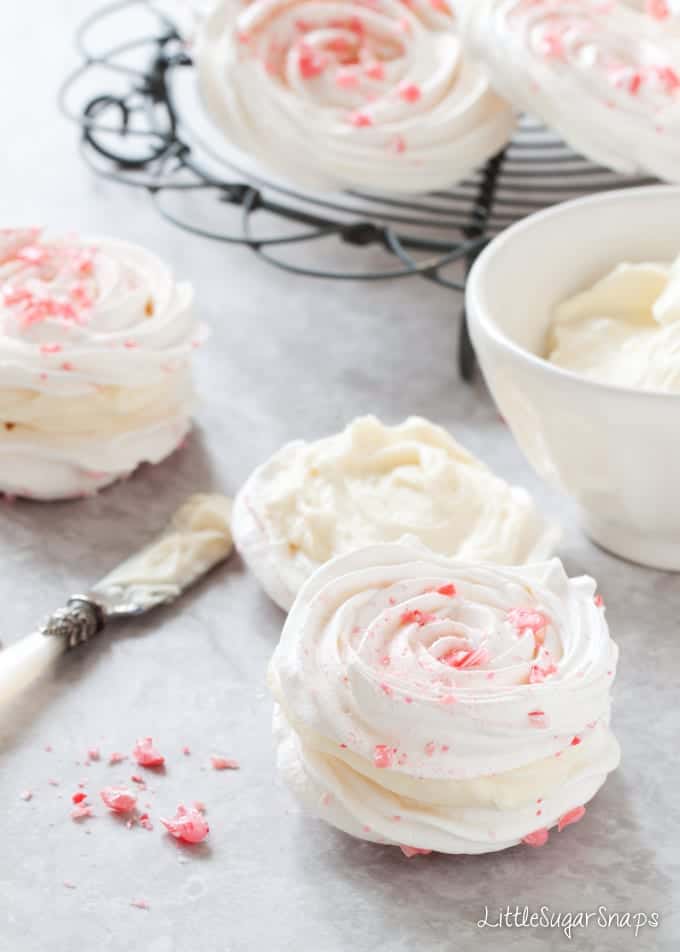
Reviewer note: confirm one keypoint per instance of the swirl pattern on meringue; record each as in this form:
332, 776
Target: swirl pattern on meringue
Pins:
95, 345
353, 93
441, 705
376, 483
606, 75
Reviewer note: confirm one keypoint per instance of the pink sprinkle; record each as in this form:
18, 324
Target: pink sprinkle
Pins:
93, 753
68, 884
346, 78
409, 92
430, 748
311, 63
50, 348
552, 46
537, 838
410, 851
116, 757
186, 751
575, 741
599, 601
408, 699
360, 120
657, 9
538, 718
223, 763
188, 825
145, 753
81, 811
415, 615
145, 822
118, 799
383, 756
571, 816
79, 796
449, 590
466, 658
67, 366
386, 689
130, 344
375, 71
448, 699
135, 778
26, 795
140, 904
635, 83
524, 618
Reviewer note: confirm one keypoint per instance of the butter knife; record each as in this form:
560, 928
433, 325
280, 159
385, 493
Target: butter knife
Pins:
197, 539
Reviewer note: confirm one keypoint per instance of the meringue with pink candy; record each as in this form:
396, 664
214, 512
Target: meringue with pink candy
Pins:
371, 94
441, 705
604, 73
95, 344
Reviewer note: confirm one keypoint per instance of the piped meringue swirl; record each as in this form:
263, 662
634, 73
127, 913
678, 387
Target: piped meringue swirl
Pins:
442, 705
375, 483
606, 75
95, 344
354, 93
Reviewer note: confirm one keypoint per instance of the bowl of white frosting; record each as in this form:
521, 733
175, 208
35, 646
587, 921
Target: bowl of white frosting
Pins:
575, 316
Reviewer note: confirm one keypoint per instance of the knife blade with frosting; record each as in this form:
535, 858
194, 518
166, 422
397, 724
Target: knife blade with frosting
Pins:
197, 539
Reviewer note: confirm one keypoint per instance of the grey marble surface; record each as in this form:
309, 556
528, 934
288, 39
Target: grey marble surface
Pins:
288, 358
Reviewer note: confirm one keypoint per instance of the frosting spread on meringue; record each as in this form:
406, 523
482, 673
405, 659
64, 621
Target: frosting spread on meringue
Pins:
625, 330
95, 341
444, 705
353, 93
606, 75
376, 483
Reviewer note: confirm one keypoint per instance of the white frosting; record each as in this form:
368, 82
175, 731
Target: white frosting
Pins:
95, 341
350, 93
428, 719
625, 330
198, 537
375, 483
606, 75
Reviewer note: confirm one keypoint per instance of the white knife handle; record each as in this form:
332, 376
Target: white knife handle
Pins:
25, 660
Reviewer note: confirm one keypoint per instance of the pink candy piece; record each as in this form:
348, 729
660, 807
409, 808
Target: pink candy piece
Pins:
79, 797
465, 658
571, 816
525, 618
26, 795
68, 884
93, 753
188, 825
657, 9
118, 799
223, 763
410, 851
360, 120
409, 92
186, 751
140, 904
415, 615
449, 590
538, 718
116, 757
81, 811
311, 63
145, 822
537, 838
146, 754
599, 601
383, 756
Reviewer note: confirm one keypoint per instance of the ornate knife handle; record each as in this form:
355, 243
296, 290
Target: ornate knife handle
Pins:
79, 621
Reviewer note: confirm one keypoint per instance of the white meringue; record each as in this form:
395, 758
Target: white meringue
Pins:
441, 705
354, 93
606, 75
625, 330
95, 344
375, 483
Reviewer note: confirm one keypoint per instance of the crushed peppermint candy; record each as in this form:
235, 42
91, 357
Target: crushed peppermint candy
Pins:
188, 825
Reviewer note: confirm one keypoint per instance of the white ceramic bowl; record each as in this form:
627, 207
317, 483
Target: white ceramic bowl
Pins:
615, 450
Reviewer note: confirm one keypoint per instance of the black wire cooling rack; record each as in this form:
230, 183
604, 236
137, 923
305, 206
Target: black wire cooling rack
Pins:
133, 96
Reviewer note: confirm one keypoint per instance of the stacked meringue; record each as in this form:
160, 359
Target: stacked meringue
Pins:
606, 75
95, 344
441, 705
357, 93
375, 483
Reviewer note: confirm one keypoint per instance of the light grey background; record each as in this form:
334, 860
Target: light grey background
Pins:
288, 358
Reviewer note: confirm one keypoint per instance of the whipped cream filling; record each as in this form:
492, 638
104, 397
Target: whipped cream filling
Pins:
605, 75
443, 705
95, 345
625, 330
376, 483
350, 93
